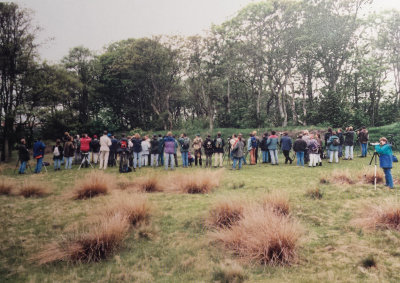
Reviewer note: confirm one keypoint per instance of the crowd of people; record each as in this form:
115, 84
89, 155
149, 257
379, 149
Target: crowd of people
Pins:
309, 148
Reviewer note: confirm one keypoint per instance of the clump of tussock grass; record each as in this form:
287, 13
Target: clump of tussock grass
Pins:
341, 177
135, 207
229, 272
98, 243
367, 176
314, 193
199, 182
7, 186
278, 202
262, 236
238, 185
34, 188
150, 184
224, 214
379, 217
94, 184
369, 262
324, 180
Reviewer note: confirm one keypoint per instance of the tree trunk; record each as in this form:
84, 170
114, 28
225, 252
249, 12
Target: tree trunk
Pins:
293, 104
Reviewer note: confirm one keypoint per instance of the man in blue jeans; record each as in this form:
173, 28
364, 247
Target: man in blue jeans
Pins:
363, 139
300, 146
38, 154
23, 155
184, 142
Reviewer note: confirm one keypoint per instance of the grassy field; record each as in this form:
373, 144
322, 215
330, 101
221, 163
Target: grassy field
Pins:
177, 248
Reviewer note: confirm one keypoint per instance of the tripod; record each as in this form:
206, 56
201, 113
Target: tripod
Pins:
374, 157
18, 165
85, 158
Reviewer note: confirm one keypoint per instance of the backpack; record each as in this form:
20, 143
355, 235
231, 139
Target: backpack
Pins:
253, 142
125, 169
313, 148
209, 144
218, 143
185, 144
335, 142
56, 151
124, 144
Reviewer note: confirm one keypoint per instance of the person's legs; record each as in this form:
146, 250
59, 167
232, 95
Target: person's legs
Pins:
166, 161
272, 154
389, 178
336, 156
298, 157
276, 156
240, 164
252, 156
186, 158
216, 159
340, 153
105, 158
330, 156
39, 165
135, 159
22, 167
310, 163
351, 152
221, 159
302, 158
364, 149
346, 152
234, 163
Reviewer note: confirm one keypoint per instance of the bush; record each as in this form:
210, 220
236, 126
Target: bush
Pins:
262, 236
94, 245
224, 214
94, 184
7, 186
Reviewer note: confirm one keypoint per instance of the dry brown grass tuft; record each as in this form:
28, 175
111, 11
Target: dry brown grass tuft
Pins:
94, 245
315, 193
7, 186
382, 217
135, 207
34, 188
225, 214
229, 272
94, 184
368, 174
262, 236
278, 202
342, 177
150, 184
199, 182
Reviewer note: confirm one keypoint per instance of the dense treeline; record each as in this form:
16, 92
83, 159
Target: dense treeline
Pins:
275, 63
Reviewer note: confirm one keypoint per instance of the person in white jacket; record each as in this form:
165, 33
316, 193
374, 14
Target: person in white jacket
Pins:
105, 144
145, 151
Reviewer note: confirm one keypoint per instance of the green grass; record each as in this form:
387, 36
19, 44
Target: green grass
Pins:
331, 250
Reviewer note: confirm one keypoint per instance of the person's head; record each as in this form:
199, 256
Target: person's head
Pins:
363, 128
23, 141
265, 134
169, 134
273, 132
58, 141
95, 136
184, 135
350, 128
333, 133
339, 130
208, 136
219, 134
254, 133
160, 136
251, 134
105, 133
311, 136
285, 133
318, 136
137, 136
197, 135
240, 137
155, 137
305, 132
330, 130
383, 140
234, 136
123, 135
66, 134
300, 136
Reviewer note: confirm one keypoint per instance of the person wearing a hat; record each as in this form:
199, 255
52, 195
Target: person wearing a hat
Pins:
197, 143
300, 146
385, 160
95, 149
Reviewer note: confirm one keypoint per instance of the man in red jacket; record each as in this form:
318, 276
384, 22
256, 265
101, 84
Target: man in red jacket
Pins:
85, 148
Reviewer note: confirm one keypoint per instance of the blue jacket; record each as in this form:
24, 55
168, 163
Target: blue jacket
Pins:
272, 142
385, 155
330, 143
38, 149
286, 143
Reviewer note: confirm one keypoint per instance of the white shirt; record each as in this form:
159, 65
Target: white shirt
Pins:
105, 143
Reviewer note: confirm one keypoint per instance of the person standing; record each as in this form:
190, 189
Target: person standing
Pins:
69, 151
184, 142
312, 148
327, 135
197, 144
95, 149
238, 152
218, 150
169, 149
300, 146
385, 160
348, 143
85, 148
264, 148
286, 146
272, 144
320, 149
333, 144
58, 151
145, 151
23, 156
77, 146
38, 154
160, 150
113, 151
363, 138
154, 151
105, 144
341, 142
208, 150
137, 148
253, 148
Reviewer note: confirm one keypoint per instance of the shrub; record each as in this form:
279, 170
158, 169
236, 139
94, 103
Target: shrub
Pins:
314, 193
262, 236
200, 182
229, 272
94, 184
135, 208
384, 216
225, 213
34, 188
7, 186
367, 176
278, 202
94, 245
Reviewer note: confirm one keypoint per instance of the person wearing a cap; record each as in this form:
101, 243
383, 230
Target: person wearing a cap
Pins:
385, 160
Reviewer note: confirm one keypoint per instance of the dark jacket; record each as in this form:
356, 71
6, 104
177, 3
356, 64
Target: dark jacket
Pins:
114, 145
95, 145
300, 145
263, 144
60, 150
219, 149
23, 153
38, 149
137, 145
238, 149
154, 146
286, 143
326, 137
160, 145
208, 146
69, 149
385, 156
349, 138
341, 138
363, 136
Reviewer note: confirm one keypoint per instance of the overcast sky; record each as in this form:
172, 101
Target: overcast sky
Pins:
96, 23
